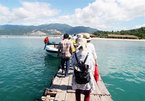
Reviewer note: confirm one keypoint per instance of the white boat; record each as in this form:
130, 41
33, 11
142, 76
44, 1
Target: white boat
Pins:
52, 50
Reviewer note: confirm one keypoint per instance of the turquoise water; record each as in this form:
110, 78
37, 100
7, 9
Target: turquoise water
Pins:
26, 70
122, 67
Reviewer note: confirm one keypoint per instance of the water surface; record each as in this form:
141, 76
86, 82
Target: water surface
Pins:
26, 70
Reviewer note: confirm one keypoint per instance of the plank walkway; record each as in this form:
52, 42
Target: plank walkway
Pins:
61, 90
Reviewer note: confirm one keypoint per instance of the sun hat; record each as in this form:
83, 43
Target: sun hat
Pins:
86, 36
81, 42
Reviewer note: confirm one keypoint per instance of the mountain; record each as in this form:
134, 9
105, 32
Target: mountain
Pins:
49, 29
81, 29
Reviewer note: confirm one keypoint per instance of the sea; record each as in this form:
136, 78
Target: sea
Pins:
26, 69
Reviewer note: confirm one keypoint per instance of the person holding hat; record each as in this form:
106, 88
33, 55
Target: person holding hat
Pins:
81, 54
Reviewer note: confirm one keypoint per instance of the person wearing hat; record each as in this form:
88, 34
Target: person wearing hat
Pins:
90, 47
81, 53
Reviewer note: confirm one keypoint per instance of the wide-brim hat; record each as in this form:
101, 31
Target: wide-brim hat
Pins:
81, 42
86, 36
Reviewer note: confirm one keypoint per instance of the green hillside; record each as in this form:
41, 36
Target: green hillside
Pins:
140, 33
49, 29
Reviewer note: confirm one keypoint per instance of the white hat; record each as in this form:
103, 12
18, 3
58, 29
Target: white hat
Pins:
87, 36
81, 42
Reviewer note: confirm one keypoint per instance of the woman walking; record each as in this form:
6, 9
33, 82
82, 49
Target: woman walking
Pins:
82, 54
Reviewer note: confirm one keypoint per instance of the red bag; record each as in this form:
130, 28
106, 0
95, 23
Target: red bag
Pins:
96, 73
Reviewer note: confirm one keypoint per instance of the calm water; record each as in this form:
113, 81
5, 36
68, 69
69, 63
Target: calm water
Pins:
26, 70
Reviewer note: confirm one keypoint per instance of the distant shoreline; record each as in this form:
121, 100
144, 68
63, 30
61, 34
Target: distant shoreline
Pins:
119, 39
25, 36
19, 36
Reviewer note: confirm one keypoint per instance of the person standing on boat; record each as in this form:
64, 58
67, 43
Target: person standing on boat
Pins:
65, 47
46, 41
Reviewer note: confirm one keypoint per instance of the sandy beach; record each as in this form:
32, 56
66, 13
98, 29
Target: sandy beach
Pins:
119, 39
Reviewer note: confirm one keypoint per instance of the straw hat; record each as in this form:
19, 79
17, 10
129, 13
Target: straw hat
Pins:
86, 36
81, 42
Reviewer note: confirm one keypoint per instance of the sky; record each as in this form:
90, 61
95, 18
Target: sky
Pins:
107, 15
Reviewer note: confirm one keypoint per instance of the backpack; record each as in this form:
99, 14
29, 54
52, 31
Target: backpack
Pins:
82, 75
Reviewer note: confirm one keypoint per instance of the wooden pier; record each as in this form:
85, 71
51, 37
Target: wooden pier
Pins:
61, 90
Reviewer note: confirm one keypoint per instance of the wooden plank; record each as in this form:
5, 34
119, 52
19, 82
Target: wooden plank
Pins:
97, 90
95, 98
62, 86
69, 89
102, 88
64, 83
69, 83
106, 98
60, 96
70, 97
56, 81
103, 98
56, 84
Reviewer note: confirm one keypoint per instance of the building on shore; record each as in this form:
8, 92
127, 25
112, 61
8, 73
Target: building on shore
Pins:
122, 36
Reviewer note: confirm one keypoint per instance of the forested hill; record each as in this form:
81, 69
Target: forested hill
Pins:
140, 33
48, 29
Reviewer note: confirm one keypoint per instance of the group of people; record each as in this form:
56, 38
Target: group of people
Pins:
74, 49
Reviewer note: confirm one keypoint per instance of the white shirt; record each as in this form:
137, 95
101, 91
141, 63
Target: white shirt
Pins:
81, 55
91, 49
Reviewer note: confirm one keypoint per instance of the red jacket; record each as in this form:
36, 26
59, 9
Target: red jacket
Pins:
46, 40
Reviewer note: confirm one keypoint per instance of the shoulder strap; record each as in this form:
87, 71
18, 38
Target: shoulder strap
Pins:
86, 58
77, 57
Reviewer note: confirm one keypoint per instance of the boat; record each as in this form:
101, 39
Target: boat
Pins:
52, 49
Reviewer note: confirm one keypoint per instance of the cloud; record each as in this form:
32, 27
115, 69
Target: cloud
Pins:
101, 14
29, 11
104, 12
4, 14
139, 26
33, 10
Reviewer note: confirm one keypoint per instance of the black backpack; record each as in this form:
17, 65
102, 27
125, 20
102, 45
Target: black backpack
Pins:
82, 75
